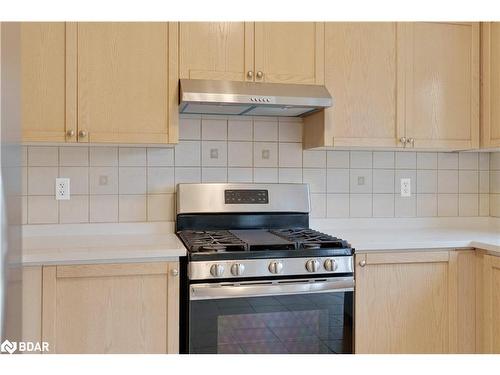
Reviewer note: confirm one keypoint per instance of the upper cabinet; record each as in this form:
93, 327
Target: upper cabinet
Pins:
126, 88
441, 71
289, 52
216, 50
43, 81
490, 126
280, 52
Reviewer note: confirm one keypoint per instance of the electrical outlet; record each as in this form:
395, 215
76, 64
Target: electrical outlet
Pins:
62, 189
406, 187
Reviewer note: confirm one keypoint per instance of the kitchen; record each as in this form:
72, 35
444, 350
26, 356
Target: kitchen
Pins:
259, 187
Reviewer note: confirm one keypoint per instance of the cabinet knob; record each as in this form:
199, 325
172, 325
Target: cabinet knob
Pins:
260, 74
174, 272
249, 74
403, 140
70, 133
82, 133
411, 141
362, 263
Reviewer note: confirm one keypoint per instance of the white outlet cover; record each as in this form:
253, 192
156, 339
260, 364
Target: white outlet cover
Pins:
62, 189
406, 187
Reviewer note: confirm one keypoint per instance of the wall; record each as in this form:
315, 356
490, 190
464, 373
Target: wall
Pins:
495, 184
122, 184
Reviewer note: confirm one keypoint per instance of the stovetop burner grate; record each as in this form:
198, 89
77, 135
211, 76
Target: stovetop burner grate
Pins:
309, 239
212, 241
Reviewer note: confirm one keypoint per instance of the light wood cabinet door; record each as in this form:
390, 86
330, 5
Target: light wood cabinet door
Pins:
48, 81
289, 52
216, 50
127, 82
406, 302
441, 63
488, 288
360, 73
490, 100
111, 308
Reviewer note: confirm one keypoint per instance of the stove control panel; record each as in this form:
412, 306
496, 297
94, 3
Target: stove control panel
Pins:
246, 196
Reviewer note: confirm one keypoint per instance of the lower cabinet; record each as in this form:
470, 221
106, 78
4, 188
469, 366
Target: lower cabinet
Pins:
111, 308
415, 302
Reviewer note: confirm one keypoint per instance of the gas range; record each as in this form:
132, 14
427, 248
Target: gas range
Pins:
250, 253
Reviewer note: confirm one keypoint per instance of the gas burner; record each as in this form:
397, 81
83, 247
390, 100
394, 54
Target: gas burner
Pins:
311, 246
310, 239
212, 241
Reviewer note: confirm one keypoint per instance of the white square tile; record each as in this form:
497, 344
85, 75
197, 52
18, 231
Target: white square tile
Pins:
314, 159
103, 156
468, 181
360, 205
361, 181
427, 181
361, 159
78, 179
447, 204
74, 210
406, 160
161, 180
188, 154
42, 210
42, 180
495, 161
316, 178
266, 131
405, 173
103, 180
132, 180
160, 157
383, 159
24, 180
447, 181
337, 205
239, 175
24, 156
318, 205
214, 153
43, 156
426, 205
290, 131
290, 155
24, 209
495, 205
265, 154
494, 182
427, 160
468, 205
484, 161
337, 180
383, 181
161, 207
265, 175
214, 129
214, 174
484, 181
468, 160
104, 208
383, 205
187, 175
132, 156
240, 130
290, 175
132, 208
240, 154
74, 156
448, 160
189, 128
484, 205
405, 206
337, 159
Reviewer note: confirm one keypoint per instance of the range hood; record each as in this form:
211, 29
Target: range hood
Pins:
199, 96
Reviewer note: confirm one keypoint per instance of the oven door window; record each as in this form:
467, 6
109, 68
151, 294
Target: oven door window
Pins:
302, 323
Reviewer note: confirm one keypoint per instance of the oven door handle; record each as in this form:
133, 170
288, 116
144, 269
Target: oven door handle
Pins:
261, 289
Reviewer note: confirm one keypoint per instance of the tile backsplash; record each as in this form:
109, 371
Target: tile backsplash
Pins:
136, 184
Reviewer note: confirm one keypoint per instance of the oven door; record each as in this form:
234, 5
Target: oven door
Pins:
311, 316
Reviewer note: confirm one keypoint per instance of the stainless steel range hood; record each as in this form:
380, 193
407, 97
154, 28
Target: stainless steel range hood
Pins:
251, 99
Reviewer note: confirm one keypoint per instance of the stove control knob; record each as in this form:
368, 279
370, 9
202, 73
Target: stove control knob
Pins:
275, 267
217, 270
237, 269
312, 265
330, 265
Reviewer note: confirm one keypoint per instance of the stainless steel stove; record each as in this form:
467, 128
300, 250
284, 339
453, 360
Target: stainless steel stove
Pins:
256, 278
